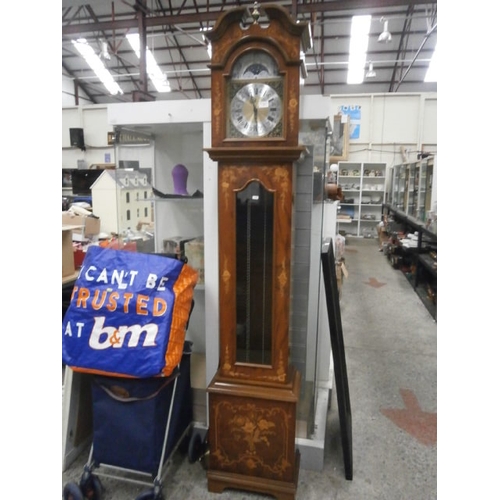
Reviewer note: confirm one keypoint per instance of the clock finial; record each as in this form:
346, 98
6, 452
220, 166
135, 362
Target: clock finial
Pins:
255, 12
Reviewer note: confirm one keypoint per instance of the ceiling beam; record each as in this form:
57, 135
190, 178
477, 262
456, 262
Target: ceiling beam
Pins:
347, 5
78, 83
334, 6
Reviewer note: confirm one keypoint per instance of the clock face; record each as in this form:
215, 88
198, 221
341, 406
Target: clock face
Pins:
255, 97
255, 110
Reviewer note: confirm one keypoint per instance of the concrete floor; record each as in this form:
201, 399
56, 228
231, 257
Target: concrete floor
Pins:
391, 355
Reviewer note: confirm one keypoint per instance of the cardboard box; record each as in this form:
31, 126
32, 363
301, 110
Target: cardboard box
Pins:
68, 262
84, 226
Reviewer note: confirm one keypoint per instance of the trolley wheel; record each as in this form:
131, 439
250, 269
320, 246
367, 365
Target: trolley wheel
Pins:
91, 487
197, 446
150, 495
72, 492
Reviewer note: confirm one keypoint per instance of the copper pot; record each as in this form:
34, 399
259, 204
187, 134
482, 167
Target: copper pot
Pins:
333, 191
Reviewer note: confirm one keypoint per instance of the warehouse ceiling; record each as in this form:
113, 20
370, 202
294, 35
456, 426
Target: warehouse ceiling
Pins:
174, 33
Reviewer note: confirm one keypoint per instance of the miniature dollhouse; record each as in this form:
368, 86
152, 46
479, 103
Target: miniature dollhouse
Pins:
122, 199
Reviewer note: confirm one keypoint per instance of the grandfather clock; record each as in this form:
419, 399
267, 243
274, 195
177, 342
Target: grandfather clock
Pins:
255, 67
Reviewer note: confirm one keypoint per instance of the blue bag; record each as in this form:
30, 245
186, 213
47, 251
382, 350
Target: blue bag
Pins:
128, 314
130, 417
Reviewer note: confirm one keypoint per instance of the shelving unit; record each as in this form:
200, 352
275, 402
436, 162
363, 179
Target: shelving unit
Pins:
363, 186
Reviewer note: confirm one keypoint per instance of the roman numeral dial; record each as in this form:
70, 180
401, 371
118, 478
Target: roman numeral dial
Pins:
256, 110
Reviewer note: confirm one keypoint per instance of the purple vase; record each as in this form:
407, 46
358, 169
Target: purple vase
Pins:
180, 175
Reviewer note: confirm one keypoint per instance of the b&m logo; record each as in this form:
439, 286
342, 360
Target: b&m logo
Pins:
103, 337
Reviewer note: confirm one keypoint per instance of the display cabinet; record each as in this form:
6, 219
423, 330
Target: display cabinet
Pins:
165, 213
410, 188
422, 191
167, 209
363, 185
309, 343
427, 187
398, 186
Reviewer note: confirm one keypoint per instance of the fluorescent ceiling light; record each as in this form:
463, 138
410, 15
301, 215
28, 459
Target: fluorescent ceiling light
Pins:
157, 76
360, 27
207, 43
431, 75
97, 66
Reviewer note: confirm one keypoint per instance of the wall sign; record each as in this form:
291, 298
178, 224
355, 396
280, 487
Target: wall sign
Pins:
354, 113
123, 136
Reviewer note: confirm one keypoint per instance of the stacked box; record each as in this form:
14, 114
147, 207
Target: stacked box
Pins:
68, 263
84, 226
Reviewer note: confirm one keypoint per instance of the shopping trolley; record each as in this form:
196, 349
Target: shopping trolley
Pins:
138, 424
138, 421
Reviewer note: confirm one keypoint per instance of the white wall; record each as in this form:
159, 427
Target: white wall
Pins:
161, 112
390, 122
394, 128
93, 120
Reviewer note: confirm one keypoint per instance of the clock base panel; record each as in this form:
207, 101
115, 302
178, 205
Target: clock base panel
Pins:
218, 481
252, 438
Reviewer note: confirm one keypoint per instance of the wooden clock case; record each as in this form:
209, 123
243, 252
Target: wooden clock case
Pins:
252, 404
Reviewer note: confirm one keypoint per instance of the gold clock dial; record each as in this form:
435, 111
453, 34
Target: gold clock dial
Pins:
256, 110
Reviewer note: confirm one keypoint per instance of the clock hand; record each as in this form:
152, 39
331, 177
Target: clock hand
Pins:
255, 109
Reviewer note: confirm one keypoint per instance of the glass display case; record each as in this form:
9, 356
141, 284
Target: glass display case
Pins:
390, 186
309, 343
422, 185
429, 179
157, 192
411, 189
411, 186
399, 186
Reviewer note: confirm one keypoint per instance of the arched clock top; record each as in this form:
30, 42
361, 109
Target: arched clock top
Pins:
236, 27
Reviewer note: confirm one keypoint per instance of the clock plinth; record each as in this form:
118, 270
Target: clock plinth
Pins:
252, 437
